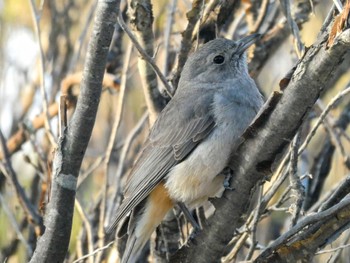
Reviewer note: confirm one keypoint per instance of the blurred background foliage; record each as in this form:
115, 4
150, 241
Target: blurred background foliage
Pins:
65, 29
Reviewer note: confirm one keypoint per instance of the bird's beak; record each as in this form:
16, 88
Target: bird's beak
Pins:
246, 42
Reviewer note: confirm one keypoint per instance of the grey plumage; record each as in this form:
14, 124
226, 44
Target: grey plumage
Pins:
192, 139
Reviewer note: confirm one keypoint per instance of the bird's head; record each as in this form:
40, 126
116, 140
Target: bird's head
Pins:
218, 60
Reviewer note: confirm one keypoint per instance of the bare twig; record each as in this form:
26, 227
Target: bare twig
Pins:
79, 44
274, 36
36, 19
299, 46
111, 143
91, 169
7, 170
121, 166
329, 107
167, 34
297, 187
145, 56
13, 221
94, 252
62, 115
53, 245
206, 10
15, 142
88, 228
338, 5
336, 255
186, 43
261, 16
314, 229
283, 175
254, 224
332, 249
239, 241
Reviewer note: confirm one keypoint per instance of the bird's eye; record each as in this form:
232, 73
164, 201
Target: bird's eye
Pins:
218, 59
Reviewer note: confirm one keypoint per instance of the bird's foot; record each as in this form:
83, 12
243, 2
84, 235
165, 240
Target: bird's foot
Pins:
189, 216
227, 180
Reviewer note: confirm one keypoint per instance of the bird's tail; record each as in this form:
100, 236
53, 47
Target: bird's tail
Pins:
144, 221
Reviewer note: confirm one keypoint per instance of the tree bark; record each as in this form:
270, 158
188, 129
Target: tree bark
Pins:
53, 245
264, 145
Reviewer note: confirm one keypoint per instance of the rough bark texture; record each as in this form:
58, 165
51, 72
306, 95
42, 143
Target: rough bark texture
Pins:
53, 245
255, 159
311, 233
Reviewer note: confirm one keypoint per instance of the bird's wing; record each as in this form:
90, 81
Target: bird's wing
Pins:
183, 124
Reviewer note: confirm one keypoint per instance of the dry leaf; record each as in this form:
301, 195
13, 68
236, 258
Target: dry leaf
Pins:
340, 23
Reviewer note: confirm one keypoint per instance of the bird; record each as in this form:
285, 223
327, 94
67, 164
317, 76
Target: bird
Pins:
191, 141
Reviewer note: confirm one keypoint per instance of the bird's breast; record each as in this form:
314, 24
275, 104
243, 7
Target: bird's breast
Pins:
195, 179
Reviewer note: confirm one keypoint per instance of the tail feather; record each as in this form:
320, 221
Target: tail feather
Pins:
134, 248
144, 220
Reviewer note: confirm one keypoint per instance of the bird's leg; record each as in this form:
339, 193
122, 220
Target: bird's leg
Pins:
227, 181
189, 216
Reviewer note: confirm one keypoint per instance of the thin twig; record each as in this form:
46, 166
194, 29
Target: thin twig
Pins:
94, 252
284, 197
167, 34
332, 249
261, 17
239, 241
206, 10
14, 224
36, 19
234, 25
10, 174
82, 177
87, 225
283, 175
323, 216
254, 224
336, 255
300, 49
195, 34
338, 5
111, 143
329, 107
297, 187
333, 133
79, 44
186, 42
123, 25
128, 142
127, 145
62, 115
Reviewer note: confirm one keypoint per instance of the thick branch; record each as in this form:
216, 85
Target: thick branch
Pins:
266, 140
53, 245
311, 233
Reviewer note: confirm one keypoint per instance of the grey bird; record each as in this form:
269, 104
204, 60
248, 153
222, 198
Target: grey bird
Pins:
192, 139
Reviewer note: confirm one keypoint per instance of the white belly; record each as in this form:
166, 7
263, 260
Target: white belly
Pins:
195, 179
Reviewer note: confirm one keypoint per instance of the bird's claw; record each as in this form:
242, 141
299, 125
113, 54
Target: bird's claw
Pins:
227, 181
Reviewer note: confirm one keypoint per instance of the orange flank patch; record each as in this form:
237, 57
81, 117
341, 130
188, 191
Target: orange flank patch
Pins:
157, 206
160, 202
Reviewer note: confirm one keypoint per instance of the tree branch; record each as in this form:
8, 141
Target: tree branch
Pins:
311, 233
53, 245
265, 141
141, 20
